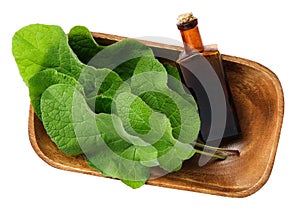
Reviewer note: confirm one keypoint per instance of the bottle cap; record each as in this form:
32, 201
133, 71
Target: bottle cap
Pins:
186, 21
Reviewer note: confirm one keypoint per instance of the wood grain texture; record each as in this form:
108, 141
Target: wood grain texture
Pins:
258, 97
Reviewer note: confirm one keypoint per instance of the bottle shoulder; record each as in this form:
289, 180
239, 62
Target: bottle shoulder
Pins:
209, 50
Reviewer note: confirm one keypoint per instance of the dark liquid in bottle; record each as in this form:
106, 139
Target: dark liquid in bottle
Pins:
205, 79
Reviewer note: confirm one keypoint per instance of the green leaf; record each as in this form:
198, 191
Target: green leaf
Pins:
182, 115
103, 138
134, 113
172, 71
58, 119
148, 74
38, 47
76, 129
172, 160
120, 57
39, 82
100, 87
154, 128
150, 83
164, 104
123, 128
133, 184
83, 44
174, 83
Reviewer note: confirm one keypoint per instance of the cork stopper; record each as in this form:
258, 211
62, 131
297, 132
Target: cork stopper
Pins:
185, 18
186, 21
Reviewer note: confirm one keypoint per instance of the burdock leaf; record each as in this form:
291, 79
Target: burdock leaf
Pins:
38, 47
149, 82
39, 82
174, 83
83, 44
100, 87
75, 129
123, 128
154, 128
121, 56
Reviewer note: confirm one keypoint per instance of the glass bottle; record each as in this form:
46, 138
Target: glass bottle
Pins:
202, 73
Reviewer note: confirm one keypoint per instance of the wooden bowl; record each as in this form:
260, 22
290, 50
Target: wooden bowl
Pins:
258, 97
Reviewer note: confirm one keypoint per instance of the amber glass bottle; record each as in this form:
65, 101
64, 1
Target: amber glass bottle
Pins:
202, 72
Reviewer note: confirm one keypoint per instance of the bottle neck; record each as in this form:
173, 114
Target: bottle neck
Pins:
191, 37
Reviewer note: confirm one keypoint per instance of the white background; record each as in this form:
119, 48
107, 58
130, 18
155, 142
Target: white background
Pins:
263, 31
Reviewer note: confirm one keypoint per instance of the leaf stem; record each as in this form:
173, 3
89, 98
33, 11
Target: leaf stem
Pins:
219, 150
222, 157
